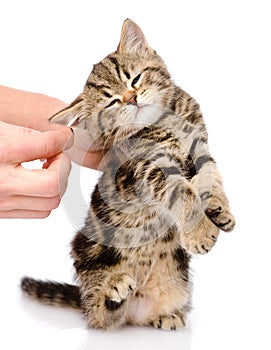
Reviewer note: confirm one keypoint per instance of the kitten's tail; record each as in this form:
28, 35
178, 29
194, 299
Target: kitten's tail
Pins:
52, 293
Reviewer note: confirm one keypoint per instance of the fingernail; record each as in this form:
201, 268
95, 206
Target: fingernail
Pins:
70, 141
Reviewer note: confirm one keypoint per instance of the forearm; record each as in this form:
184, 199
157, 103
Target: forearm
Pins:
28, 109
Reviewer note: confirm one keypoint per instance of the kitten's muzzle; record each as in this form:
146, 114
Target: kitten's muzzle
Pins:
129, 97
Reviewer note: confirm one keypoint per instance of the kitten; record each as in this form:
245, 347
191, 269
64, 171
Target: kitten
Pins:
159, 200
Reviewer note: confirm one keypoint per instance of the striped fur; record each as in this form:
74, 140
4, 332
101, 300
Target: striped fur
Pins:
159, 200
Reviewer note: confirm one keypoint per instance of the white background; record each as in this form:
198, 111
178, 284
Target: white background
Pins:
219, 51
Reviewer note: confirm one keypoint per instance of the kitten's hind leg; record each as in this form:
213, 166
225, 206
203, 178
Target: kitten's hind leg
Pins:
105, 304
170, 322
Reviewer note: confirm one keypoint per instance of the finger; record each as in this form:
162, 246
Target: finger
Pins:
33, 183
83, 140
93, 160
7, 130
87, 159
35, 146
24, 214
60, 164
29, 203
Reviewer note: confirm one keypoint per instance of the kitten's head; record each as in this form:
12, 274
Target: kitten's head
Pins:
124, 92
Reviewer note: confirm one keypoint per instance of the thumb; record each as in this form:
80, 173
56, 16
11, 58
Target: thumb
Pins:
35, 146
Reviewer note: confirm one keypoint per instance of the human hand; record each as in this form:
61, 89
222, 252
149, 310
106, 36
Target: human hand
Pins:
84, 152
32, 193
34, 110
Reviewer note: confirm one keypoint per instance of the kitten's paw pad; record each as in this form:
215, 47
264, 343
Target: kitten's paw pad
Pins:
222, 218
119, 286
202, 239
169, 322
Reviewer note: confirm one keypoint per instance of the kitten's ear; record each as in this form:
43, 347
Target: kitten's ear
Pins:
133, 40
73, 111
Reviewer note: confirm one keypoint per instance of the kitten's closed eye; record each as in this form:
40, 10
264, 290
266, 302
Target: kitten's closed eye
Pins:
136, 80
127, 75
113, 102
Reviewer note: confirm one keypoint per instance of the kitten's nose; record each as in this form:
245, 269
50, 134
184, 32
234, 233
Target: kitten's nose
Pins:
130, 97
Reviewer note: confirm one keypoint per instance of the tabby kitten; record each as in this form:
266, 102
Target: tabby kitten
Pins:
159, 200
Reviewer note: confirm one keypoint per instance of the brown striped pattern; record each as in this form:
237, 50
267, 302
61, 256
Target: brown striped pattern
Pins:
159, 200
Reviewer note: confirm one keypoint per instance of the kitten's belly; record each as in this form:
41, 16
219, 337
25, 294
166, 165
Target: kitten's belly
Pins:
139, 309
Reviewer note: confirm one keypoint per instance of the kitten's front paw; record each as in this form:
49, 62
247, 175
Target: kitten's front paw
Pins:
169, 322
221, 217
202, 238
118, 288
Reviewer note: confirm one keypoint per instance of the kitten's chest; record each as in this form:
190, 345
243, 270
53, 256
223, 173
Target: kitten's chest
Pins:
150, 263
